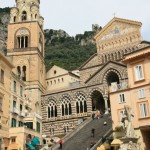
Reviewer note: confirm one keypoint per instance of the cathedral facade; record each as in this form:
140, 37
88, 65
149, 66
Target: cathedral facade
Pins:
55, 102
66, 107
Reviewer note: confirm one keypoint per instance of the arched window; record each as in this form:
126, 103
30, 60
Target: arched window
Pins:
40, 43
52, 109
66, 106
19, 71
24, 73
81, 104
14, 18
22, 36
35, 16
24, 16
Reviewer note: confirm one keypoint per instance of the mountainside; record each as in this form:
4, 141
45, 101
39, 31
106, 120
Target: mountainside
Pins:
60, 48
4, 19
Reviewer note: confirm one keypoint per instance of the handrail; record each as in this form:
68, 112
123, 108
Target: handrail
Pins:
72, 133
108, 133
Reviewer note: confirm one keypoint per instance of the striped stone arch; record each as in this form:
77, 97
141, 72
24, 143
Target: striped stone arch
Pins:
79, 93
49, 99
80, 102
109, 71
96, 89
67, 97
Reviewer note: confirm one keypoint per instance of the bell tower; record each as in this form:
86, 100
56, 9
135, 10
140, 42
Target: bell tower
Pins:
25, 47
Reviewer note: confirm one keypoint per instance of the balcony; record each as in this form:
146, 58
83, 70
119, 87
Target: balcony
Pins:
15, 110
22, 114
116, 87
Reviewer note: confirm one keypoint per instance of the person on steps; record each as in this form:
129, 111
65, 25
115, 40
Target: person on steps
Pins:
60, 143
93, 131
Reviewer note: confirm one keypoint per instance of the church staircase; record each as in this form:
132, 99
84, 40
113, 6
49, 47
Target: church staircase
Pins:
83, 138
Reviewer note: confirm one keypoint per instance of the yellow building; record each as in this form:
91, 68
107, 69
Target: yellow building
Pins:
5, 98
135, 94
26, 84
58, 78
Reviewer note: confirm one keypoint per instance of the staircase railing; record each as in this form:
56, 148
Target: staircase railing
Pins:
108, 133
72, 133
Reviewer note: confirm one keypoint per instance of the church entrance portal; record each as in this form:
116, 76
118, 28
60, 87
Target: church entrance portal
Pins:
98, 102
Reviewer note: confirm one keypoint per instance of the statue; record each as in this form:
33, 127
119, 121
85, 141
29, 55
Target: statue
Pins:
127, 124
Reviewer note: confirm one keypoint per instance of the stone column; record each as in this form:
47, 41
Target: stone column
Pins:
106, 105
89, 105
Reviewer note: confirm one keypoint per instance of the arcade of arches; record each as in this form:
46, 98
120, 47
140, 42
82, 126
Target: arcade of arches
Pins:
69, 108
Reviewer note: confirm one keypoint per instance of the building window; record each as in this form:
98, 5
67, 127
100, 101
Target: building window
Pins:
14, 104
139, 72
21, 91
20, 124
24, 73
20, 107
37, 126
13, 140
24, 16
121, 98
29, 125
22, 41
2, 76
14, 86
143, 110
1, 103
13, 122
141, 93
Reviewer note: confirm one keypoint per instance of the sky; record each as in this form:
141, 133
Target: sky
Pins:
77, 16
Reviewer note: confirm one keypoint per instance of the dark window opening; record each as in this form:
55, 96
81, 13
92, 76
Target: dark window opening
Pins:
14, 18
29, 125
24, 73
24, 16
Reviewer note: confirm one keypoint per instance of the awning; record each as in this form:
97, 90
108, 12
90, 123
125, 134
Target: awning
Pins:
30, 146
35, 141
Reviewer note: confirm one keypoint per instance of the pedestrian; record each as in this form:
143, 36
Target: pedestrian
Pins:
65, 130
60, 143
105, 123
93, 131
93, 116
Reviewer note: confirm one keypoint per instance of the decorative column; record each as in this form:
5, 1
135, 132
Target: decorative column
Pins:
89, 105
106, 105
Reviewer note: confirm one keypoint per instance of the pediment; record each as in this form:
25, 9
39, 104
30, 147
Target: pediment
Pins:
99, 76
91, 62
117, 27
56, 71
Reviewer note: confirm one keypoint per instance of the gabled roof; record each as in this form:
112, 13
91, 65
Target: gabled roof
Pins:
115, 19
94, 55
114, 62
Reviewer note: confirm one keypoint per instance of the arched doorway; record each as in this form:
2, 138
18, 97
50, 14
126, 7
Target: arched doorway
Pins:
112, 77
98, 101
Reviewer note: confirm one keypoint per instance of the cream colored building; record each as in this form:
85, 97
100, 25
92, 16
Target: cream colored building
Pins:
5, 98
26, 84
135, 94
58, 78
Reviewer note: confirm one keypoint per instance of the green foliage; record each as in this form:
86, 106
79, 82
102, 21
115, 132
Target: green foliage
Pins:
67, 52
5, 10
